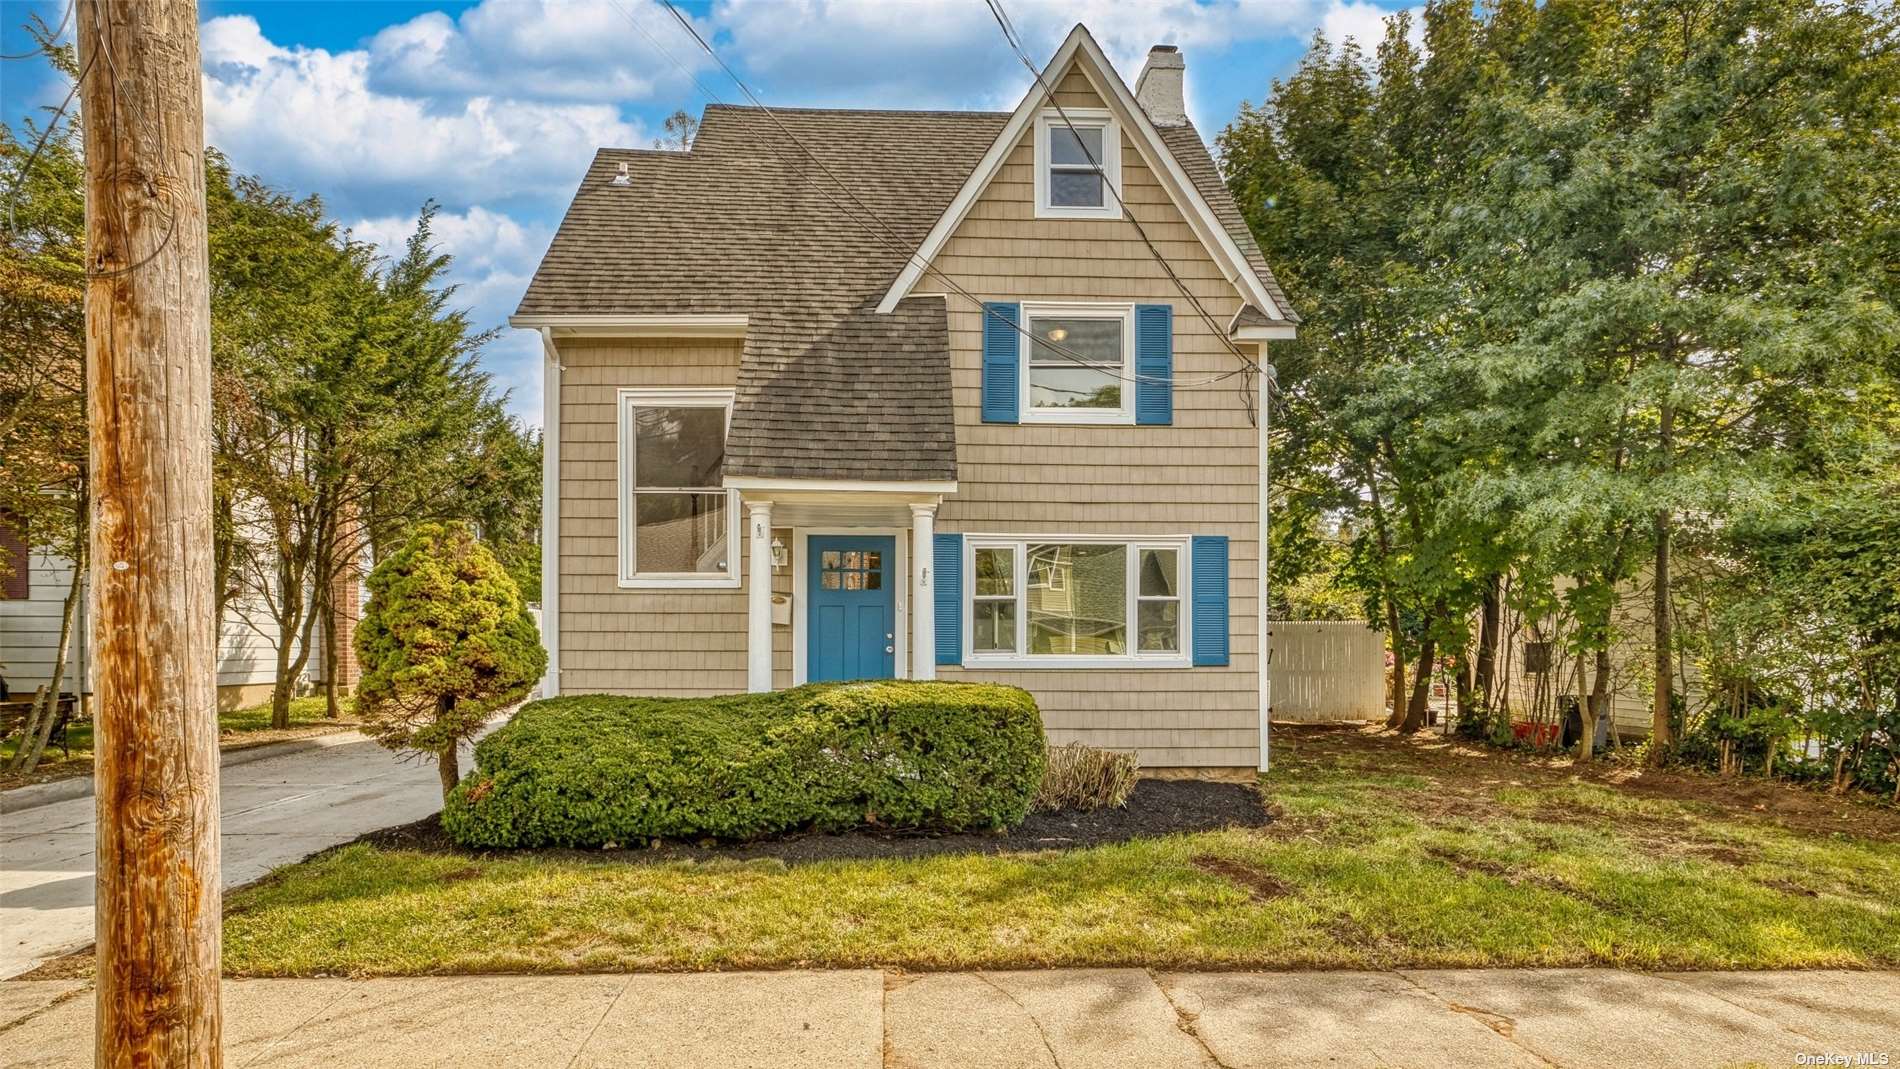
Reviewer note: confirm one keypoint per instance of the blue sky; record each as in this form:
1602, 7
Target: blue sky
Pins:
493, 107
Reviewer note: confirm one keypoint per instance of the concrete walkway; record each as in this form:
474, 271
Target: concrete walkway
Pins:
1072, 1019
276, 810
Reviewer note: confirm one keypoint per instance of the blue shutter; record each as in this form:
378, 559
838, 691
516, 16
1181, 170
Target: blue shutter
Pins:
947, 590
1208, 556
1154, 364
1002, 362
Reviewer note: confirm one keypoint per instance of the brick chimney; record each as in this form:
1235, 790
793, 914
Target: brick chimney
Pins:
1159, 88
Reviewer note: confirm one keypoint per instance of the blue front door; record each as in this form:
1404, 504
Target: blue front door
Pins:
852, 627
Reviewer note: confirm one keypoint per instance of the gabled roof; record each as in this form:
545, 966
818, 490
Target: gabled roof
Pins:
830, 385
1176, 154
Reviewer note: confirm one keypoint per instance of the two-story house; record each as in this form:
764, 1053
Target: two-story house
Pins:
845, 394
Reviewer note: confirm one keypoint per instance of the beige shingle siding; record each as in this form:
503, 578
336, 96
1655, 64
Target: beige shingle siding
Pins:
615, 641
1197, 476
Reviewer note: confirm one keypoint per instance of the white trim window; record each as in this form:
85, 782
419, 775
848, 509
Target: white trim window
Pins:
1077, 360
1076, 601
679, 526
1078, 164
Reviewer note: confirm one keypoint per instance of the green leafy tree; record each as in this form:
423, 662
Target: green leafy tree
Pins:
443, 642
43, 442
1680, 251
1333, 172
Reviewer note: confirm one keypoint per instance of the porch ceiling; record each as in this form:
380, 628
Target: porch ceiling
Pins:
799, 507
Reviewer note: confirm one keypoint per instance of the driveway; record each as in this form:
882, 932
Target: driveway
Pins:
276, 809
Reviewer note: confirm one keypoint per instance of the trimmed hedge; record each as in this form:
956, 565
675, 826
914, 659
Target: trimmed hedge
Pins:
588, 770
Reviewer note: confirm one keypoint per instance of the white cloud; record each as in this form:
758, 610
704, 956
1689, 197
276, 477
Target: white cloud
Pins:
311, 118
492, 258
1365, 23
578, 50
947, 53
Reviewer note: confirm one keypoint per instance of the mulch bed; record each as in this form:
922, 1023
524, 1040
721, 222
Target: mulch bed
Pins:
1157, 807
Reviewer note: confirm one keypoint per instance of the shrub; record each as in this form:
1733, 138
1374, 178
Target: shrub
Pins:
1083, 777
588, 770
443, 642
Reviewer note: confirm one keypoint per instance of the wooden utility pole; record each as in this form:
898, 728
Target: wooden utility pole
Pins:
148, 363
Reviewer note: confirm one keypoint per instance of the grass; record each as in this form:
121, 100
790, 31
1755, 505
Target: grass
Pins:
1389, 854
236, 727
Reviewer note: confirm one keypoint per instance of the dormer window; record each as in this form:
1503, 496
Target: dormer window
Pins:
1078, 164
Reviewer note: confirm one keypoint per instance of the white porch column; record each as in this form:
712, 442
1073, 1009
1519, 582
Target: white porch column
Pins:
923, 604
758, 641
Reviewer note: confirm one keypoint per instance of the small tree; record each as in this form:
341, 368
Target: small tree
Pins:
444, 641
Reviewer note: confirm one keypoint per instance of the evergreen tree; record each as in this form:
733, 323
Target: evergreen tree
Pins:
444, 642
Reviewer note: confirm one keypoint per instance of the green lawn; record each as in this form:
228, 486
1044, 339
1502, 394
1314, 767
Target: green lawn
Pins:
236, 727
1389, 854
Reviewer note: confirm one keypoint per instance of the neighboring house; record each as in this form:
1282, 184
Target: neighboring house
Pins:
922, 403
1539, 670
34, 596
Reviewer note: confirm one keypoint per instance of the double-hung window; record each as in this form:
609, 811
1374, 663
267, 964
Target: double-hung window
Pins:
1078, 601
1078, 164
1077, 358
678, 524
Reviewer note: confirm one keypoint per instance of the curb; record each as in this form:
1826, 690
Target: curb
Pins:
65, 790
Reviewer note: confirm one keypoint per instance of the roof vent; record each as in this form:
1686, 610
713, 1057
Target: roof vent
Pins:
1159, 88
623, 178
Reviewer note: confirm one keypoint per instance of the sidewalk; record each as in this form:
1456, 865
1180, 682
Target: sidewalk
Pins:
1072, 1019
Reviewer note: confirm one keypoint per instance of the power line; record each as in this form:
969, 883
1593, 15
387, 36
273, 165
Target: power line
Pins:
26, 169
896, 240
54, 36
1015, 43
662, 50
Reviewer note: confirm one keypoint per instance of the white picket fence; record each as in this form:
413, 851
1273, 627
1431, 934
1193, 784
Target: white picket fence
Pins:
1327, 670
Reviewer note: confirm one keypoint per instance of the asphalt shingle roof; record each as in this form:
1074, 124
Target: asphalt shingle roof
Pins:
746, 223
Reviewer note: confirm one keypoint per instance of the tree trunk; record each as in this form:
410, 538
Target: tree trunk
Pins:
1661, 719
290, 613
154, 625
447, 760
1661, 736
1421, 687
448, 765
326, 607
45, 710
1397, 715
1595, 706
1463, 683
1489, 628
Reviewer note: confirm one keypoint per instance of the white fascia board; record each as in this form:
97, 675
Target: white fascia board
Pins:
657, 326
1199, 214
1280, 332
759, 484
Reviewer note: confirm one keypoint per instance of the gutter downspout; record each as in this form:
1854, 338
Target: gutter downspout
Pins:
551, 512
